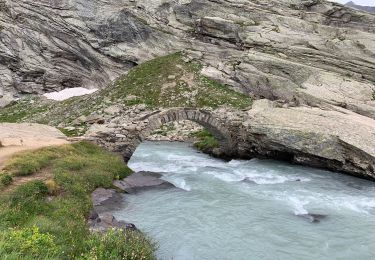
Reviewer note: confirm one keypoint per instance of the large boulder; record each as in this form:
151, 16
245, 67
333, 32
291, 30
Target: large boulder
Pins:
142, 181
30, 135
337, 139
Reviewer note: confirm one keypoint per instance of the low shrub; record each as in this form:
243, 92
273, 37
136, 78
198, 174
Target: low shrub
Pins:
52, 186
34, 190
6, 179
119, 245
206, 141
29, 241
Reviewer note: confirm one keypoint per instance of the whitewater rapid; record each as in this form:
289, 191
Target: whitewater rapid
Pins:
249, 209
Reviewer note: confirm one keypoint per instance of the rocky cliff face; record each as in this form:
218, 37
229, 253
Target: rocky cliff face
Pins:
301, 51
52, 45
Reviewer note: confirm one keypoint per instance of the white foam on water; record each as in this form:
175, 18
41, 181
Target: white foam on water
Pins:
354, 203
69, 93
267, 178
178, 182
298, 206
237, 162
198, 161
227, 177
299, 199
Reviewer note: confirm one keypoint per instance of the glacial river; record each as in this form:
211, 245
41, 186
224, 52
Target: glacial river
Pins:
249, 209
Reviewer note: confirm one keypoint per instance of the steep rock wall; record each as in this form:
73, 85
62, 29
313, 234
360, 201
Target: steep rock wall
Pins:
302, 51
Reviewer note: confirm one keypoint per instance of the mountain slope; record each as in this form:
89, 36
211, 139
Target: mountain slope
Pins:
370, 9
302, 51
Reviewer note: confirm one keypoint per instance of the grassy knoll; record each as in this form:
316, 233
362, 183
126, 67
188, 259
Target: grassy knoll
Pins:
163, 82
47, 219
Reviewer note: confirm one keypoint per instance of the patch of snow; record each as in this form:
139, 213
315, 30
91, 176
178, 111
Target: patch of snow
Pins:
68, 93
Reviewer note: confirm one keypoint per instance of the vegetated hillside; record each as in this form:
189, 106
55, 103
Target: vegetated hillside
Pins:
45, 216
370, 9
169, 81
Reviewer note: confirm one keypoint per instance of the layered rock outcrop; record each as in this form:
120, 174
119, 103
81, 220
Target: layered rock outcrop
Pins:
303, 51
52, 45
338, 140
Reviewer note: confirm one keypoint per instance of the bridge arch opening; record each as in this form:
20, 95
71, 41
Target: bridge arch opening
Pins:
156, 120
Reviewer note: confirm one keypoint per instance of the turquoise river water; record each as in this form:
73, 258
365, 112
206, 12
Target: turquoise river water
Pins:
249, 209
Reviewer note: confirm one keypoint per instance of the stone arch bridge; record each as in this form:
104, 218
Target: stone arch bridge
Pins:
124, 138
244, 134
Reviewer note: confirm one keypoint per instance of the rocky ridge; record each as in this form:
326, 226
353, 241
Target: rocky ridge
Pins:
370, 9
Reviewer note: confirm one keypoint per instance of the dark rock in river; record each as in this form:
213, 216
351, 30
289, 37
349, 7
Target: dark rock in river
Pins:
93, 215
354, 186
105, 200
142, 181
248, 180
312, 218
107, 221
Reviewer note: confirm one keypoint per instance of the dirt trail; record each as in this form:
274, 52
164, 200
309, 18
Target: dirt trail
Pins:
15, 138
18, 181
7, 152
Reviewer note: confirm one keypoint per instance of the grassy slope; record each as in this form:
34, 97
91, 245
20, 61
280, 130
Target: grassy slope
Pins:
47, 220
163, 82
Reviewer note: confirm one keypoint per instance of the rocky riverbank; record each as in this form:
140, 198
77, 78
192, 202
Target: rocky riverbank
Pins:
107, 200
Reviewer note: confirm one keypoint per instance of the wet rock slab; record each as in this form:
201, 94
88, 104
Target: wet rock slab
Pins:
107, 221
142, 181
106, 200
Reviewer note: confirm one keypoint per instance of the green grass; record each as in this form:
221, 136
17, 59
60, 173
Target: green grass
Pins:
164, 130
152, 85
34, 227
22, 109
206, 141
163, 82
5, 179
28, 163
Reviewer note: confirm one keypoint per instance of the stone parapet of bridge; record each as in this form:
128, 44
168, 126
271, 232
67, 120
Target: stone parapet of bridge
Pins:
124, 137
